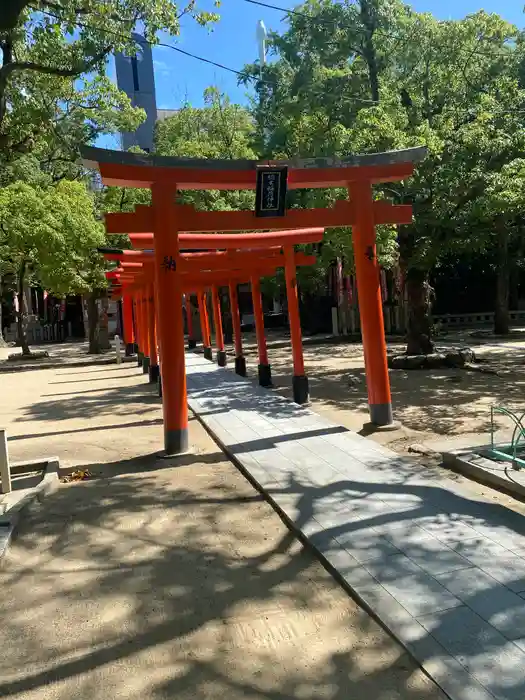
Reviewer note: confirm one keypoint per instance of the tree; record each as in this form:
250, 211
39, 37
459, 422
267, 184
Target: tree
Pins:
499, 213
46, 45
220, 129
384, 77
47, 233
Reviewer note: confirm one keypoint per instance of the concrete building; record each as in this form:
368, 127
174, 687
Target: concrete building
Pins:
136, 77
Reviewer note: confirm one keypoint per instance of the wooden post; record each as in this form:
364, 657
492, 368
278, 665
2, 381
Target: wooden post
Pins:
139, 333
264, 369
153, 370
240, 360
127, 322
205, 326
146, 334
134, 318
157, 336
5, 472
192, 343
300, 380
370, 305
171, 328
217, 321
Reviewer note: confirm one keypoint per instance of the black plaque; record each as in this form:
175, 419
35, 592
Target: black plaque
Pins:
270, 193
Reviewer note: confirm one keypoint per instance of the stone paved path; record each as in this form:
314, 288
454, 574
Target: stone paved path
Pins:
443, 570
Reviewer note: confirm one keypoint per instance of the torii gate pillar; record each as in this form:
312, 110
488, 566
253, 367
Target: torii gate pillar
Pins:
370, 306
264, 369
146, 360
205, 326
240, 360
217, 319
127, 313
139, 330
171, 326
153, 369
192, 343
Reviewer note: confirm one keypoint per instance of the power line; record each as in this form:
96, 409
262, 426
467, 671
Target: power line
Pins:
242, 74
118, 35
258, 80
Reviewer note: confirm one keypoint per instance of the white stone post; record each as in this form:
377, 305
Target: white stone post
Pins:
5, 474
118, 349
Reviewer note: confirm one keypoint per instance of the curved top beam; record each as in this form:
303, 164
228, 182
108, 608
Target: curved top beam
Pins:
92, 157
140, 170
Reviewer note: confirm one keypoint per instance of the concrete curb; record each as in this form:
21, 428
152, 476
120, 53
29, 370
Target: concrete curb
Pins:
6, 368
10, 520
462, 461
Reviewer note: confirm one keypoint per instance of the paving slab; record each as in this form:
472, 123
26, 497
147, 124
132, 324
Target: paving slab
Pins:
439, 566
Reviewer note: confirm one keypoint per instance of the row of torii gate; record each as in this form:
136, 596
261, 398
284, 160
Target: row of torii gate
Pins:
177, 253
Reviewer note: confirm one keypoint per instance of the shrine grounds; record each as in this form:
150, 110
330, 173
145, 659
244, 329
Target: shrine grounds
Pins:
436, 408
151, 581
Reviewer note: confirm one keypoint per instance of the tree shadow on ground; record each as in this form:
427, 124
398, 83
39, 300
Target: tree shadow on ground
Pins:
174, 588
435, 406
109, 401
444, 402
93, 428
393, 547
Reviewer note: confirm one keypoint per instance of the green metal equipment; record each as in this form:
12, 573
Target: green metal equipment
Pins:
515, 450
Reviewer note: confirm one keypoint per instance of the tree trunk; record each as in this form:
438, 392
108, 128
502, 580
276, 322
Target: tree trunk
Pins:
419, 293
103, 323
501, 312
2, 340
93, 327
21, 320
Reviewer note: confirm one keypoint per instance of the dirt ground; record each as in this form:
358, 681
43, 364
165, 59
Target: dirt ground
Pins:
159, 580
435, 407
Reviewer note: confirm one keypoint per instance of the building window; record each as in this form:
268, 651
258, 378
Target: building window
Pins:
135, 72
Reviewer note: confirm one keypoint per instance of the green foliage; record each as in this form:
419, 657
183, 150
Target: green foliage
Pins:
218, 130
373, 75
52, 231
54, 94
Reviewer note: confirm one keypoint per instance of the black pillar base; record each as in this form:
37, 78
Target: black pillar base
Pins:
381, 415
145, 365
208, 354
154, 373
130, 349
192, 344
159, 385
175, 442
240, 366
135, 348
221, 358
139, 359
265, 375
300, 389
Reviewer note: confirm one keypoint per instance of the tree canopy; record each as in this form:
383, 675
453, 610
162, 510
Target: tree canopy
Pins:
47, 46
374, 75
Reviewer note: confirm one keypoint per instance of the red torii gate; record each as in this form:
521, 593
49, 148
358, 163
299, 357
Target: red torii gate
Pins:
165, 218
204, 270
